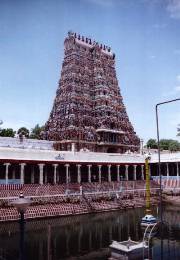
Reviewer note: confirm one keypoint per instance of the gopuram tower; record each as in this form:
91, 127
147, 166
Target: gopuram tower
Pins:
88, 110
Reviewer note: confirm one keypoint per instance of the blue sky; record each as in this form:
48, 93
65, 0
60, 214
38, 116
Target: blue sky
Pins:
144, 34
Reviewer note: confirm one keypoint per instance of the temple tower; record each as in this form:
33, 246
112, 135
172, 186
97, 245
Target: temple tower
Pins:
88, 110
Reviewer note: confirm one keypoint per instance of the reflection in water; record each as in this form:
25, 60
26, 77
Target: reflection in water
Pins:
83, 237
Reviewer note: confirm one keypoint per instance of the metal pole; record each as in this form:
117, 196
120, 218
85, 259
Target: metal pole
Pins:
159, 163
21, 222
160, 180
159, 167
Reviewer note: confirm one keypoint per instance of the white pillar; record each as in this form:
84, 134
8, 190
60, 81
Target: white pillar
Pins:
177, 167
7, 172
22, 173
99, 166
67, 173
89, 173
167, 167
135, 177
126, 172
118, 177
73, 147
109, 173
41, 166
55, 173
142, 172
79, 173
141, 146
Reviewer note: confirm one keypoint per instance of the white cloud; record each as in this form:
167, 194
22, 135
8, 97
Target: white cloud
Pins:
173, 92
177, 89
178, 78
177, 52
173, 7
152, 56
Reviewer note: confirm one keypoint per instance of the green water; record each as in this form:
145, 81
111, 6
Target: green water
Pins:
87, 236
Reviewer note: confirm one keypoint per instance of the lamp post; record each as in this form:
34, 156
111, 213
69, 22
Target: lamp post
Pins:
159, 164
21, 205
141, 146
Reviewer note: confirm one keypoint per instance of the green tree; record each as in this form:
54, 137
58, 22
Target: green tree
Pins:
36, 132
169, 144
24, 131
165, 143
151, 143
7, 132
174, 146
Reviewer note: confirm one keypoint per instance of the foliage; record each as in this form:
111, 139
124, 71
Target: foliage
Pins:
165, 144
37, 132
174, 146
151, 143
23, 131
7, 132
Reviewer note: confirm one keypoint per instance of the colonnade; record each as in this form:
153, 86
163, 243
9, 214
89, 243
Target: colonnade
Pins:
114, 172
60, 172
168, 169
